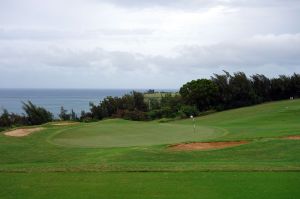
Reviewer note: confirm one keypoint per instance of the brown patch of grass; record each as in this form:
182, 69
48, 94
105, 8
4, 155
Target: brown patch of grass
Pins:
292, 137
64, 123
205, 145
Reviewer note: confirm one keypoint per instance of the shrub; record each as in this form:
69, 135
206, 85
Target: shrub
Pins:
36, 115
155, 114
135, 115
5, 119
187, 111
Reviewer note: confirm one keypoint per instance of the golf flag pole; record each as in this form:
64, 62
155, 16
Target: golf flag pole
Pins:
192, 117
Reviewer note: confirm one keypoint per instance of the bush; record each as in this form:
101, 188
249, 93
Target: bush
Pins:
63, 115
5, 119
36, 115
135, 115
187, 111
168, 112
87, 117
155, 114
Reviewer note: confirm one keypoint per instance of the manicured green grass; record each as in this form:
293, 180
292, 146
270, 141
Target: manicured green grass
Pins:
122, 133
266, 120
92, 160
175, 185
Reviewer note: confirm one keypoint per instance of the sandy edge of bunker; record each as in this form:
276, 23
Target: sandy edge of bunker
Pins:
22, 132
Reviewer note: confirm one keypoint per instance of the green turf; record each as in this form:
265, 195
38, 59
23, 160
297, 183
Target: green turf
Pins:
205, 185
267, 120
122, 133
91, 158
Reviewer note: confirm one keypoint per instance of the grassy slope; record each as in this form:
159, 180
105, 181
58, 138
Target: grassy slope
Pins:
267, 120
35, 154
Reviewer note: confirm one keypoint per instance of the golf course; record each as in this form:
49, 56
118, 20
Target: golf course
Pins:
250, 152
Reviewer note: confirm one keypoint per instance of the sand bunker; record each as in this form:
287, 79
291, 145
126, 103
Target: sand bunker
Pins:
63, 123
206, 145
22, 132
293, 137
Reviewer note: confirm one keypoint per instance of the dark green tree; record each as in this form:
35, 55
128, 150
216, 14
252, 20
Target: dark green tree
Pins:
35, 114
73, 115
224, 94
241, 90
202, 93
295, 85
261, 86
5, 120
63, 115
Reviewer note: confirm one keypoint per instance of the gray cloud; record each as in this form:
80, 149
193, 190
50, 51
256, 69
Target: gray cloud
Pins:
134, 43
52, 34
282, 50
258, 52
198, 4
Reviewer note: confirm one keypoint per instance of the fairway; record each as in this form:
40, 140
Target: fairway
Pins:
191, 185
122, 133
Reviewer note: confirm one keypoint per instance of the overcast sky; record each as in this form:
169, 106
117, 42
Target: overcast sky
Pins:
144, 44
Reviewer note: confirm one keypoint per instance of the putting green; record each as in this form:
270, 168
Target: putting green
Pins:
122, 133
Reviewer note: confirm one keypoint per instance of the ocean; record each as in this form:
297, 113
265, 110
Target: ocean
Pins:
53, 99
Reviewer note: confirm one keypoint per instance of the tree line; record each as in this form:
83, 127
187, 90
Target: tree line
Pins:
226, 91
220, 92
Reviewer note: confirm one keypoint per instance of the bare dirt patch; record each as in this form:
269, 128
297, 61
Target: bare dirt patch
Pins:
205, 145
22, 132
64, 123
292, 137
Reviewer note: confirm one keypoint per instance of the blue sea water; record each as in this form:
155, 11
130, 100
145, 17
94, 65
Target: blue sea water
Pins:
53, 99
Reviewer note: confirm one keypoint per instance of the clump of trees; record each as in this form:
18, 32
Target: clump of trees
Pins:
130, 106
34, 115
167, 107
65, 116
227, 91
224, 91
11, 119
201, 93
